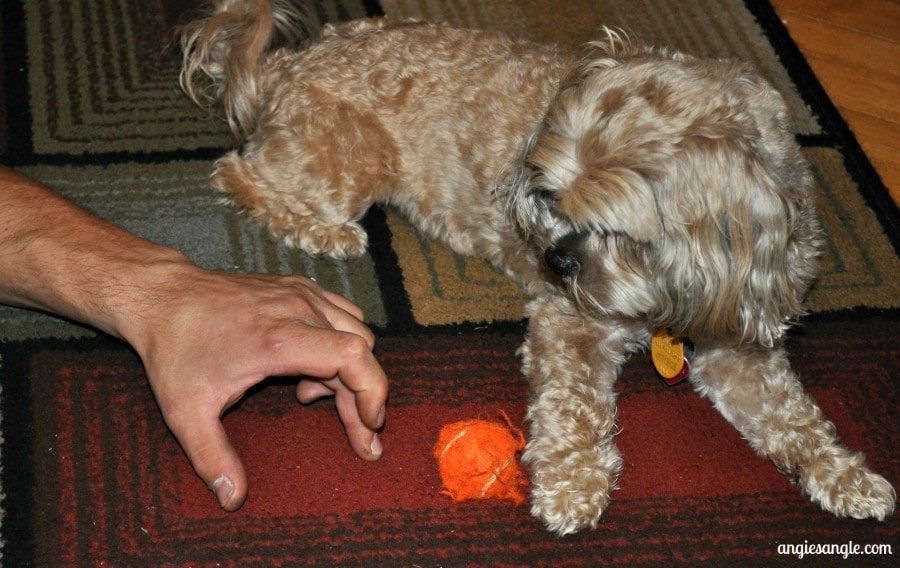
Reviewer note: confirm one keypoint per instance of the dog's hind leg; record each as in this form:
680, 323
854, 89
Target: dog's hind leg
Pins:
756, 390
311, 180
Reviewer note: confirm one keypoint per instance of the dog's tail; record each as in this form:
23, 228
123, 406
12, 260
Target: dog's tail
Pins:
223, 53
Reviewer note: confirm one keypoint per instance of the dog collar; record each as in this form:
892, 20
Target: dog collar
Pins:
671, 356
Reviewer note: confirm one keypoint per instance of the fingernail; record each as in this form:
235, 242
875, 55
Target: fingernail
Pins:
223, 488
376, 448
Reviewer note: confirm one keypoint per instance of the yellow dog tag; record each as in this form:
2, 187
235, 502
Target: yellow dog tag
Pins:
671, 356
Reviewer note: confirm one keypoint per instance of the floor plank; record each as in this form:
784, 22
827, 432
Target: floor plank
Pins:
875, 17
854, 49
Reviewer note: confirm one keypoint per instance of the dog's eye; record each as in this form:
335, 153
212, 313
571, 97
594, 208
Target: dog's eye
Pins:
543, 197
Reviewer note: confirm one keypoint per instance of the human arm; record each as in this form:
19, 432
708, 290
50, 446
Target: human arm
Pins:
204, 337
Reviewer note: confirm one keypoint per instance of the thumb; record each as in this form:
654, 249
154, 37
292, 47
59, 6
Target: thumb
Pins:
214, 459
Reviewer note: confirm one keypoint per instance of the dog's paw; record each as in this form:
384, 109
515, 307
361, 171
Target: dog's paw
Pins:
568, 497
853, 491
336, 241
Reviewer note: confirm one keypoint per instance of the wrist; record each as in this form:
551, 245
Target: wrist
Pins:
113, 282
143, 296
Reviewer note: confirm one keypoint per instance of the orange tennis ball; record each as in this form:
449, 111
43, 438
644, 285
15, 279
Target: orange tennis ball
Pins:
477, 460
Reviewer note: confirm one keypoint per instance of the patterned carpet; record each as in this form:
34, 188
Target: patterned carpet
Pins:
90, 105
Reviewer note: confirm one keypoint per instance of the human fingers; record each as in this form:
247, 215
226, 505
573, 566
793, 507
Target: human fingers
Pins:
332, 355
311, 390
345, 304
344, 315
307, 285
364, 441
298, 299
212, 456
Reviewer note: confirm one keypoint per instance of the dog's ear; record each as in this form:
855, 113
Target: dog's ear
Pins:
605, 143
599, 152
615, 197
741, 239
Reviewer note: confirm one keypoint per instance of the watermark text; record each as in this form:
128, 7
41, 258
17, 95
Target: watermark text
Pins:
845, 550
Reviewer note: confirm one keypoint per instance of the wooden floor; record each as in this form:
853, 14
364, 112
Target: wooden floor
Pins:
854, 49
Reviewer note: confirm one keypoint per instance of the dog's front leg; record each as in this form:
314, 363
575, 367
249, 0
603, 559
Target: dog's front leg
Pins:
757, 391
572, 364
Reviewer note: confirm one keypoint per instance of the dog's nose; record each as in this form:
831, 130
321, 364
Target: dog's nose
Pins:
561, 261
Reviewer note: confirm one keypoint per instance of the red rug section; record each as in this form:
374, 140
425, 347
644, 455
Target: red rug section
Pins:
299, 463
124, 490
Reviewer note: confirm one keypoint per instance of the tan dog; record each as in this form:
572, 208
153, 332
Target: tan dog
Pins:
663, 192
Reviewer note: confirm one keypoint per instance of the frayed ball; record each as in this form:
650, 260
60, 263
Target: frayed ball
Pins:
477, 460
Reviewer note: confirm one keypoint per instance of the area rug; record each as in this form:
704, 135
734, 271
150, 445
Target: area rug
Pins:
91, 477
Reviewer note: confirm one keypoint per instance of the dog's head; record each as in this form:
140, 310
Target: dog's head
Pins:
666, 187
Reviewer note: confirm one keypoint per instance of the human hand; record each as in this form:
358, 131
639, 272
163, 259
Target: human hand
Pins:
208, 337
204, 337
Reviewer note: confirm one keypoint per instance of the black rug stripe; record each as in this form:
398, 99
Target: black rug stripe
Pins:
15, 84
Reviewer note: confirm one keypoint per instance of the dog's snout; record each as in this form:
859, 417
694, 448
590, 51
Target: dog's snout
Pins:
564, 256
561, 261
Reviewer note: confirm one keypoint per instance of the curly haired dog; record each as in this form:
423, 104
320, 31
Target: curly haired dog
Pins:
629, 190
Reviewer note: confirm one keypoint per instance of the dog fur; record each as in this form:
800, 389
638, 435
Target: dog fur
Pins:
628, 189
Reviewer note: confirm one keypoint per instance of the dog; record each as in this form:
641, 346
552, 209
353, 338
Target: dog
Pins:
630, 190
